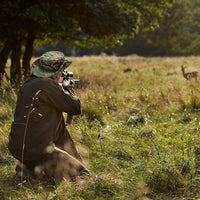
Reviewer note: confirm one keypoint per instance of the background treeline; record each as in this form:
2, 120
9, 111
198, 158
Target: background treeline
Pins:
80, 23
178, 33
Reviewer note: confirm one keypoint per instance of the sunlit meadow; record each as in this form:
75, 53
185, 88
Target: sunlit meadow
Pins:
138, 132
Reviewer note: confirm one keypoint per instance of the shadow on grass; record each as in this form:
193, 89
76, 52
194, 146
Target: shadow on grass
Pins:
10, 189
5, 157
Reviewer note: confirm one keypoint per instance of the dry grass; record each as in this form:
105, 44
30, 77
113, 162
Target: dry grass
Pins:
137, 133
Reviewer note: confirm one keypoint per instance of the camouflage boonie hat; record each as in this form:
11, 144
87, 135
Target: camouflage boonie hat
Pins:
49, 64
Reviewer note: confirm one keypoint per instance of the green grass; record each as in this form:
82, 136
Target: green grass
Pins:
138, 132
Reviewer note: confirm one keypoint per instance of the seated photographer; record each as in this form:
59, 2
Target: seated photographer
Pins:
39, 139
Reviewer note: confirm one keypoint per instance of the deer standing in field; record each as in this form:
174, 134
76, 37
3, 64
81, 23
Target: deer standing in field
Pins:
189, 75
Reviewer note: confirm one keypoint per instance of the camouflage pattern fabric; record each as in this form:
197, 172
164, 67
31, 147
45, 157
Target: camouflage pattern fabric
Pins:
49, 64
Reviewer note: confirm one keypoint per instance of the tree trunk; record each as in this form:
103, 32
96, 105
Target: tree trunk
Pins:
15, 71
4, 57
27, 56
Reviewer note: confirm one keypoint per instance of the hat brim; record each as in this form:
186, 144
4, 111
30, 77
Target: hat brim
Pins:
38, 71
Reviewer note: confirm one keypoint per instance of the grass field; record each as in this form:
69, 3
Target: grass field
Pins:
138, 132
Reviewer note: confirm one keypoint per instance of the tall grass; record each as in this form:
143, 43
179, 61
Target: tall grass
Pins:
138, 132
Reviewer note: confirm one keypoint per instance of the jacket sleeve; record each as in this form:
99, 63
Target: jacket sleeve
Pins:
64, 101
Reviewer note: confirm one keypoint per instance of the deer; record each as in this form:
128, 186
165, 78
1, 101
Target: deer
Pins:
189, 75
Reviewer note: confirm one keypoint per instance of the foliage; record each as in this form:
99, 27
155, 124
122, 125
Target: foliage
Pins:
76, 22
174, 34
138, 132
177, 34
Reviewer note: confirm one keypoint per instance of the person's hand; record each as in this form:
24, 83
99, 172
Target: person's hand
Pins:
68, 86
69, 83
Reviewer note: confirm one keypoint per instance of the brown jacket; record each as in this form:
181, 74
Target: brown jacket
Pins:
39, 120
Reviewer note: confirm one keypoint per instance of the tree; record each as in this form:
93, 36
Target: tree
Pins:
174, 35
4, 56
194, 45
77, 22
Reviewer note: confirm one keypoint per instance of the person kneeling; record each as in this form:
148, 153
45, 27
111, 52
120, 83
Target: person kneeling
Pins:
39, 139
